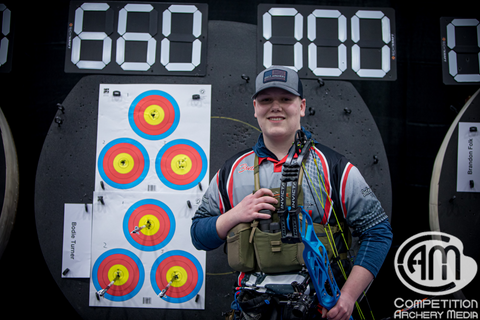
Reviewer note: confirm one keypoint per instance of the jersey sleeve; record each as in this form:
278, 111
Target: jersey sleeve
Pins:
360, 206
366, 216
203, 230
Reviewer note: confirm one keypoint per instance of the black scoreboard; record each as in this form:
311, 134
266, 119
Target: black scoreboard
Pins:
460, 50
136, 38
330, 42
151, 38
6, 36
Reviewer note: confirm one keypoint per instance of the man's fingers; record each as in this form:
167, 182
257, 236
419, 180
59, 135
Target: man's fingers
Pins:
265, 201
261, 215
264, 192
265, 196
266, 206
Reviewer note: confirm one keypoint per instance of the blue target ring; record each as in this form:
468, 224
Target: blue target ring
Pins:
131, 262
115, 178
165, 217
197, 163
162, 103
172, 259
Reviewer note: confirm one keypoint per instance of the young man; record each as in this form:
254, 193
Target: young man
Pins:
279, 106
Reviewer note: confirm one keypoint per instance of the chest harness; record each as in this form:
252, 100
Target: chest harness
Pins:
288, 241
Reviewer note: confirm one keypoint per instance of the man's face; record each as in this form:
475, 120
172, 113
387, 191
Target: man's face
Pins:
278, 113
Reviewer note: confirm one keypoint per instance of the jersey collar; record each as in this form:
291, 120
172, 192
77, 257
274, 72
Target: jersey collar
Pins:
264, 154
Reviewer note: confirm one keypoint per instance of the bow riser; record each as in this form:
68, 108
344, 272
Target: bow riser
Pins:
318, 265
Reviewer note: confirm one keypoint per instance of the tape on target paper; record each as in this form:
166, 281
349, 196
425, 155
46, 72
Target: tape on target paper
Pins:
154, 115
149, 225
181, 164
123, 163
123, 268
184, 272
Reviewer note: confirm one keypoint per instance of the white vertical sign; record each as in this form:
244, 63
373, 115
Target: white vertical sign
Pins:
468, 160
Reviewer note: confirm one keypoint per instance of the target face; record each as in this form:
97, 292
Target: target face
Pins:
158, 224
154, 115
185, 271
123, 163
122, 267
181, 164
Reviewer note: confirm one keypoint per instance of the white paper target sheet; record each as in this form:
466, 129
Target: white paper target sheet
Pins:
153, 146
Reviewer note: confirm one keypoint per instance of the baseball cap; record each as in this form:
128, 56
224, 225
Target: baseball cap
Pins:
279, 77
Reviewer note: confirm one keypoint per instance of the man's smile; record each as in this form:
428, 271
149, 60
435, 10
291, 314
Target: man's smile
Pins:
275, 118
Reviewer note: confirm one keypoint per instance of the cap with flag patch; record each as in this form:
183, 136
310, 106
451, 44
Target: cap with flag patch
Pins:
279, 77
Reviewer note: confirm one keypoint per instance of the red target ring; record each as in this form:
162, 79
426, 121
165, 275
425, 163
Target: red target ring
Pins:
192, 154
123, 163
110, 262
122, 267
181, 164
113, 174
176, 262
154, 114
187, 271
157, 222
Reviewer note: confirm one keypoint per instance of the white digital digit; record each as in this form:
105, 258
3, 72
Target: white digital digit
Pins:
386, 37
134, 36
167, 30
452, 55
298, 34
84, 35
6, 14
312, 48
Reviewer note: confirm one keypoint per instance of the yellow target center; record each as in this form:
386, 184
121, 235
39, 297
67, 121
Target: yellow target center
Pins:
123, 163
151, 223
119, 274
154, 115
181, 276
181, 164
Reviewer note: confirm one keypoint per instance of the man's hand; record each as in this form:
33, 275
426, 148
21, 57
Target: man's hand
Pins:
246, 211
356, 283
341, 311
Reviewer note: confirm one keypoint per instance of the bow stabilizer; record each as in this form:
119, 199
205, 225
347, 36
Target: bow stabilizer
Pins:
315, 255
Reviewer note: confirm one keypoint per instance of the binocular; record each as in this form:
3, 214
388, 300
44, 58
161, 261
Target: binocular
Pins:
267, 225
